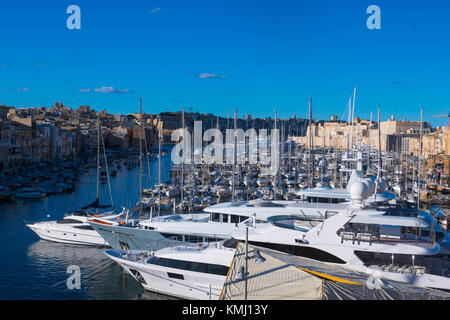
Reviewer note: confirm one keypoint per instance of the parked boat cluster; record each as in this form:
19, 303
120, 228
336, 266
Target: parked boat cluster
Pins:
330, 206
181, 237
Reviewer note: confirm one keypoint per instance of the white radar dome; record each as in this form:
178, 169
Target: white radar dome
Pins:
358, 191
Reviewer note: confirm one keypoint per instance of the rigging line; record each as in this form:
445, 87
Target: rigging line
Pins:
346, 291
107, 171
99, 269
58, 283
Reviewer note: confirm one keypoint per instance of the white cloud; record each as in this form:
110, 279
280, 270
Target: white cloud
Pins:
111, 90
205, 75
155, 10
84, 90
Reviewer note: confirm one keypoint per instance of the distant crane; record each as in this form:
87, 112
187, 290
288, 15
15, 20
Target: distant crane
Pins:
444, 116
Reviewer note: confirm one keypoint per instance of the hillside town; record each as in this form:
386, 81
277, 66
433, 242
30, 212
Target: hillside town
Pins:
29, 136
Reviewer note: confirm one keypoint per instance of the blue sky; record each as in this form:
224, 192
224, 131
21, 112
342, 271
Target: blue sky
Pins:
212, 55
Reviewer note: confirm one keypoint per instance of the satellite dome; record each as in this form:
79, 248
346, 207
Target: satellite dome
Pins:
358, 191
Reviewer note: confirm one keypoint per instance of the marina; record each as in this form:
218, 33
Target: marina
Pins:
228, 152
372, 229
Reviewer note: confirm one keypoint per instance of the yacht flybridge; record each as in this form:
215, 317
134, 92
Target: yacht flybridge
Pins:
360, 238
319, 196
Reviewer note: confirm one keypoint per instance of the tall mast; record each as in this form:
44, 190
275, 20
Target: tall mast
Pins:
275, 185
311, 162
379, 155
182, 157
98, 160
140, 155
420, 158
353, 116
369, 144
234, 154
379, 142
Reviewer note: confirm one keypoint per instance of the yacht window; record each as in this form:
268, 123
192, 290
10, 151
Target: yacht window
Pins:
84, 227
215, 216
68, 221
172, 236
175, 275
191, 266
234, 218
242, 218
193, 239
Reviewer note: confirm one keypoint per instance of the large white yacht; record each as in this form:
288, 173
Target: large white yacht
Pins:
188, 271
320, 196
73, 228
159, 232
360, 238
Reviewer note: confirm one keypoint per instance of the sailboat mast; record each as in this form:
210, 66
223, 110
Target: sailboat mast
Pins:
353, 116
369, 144
234, 155
311, 162
275, 185
182, 157
140, 154
420, 158
98, 160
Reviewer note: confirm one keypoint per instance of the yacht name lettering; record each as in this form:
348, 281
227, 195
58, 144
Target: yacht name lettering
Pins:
245, 310
199, 310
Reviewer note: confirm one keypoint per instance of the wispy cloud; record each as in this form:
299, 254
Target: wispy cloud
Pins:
111, 90
84, 90
40, 65
207, 75
4, 65
22, 89
155, 10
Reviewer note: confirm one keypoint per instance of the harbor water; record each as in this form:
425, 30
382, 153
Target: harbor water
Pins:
31, 268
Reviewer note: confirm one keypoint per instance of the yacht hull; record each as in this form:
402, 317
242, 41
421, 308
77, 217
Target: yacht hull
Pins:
182, 284
68, 235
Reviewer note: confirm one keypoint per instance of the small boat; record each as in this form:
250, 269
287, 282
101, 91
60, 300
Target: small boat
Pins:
30, 194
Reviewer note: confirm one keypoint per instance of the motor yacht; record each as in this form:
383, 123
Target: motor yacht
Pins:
163, 231
73, 228
187, 271
361, 238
